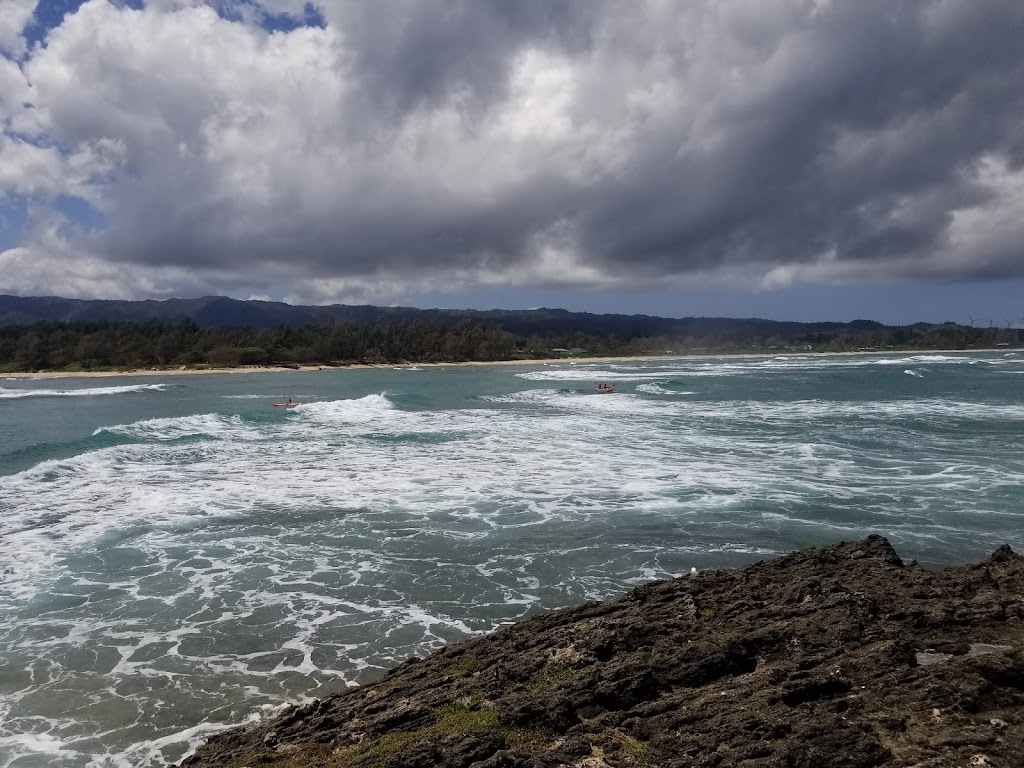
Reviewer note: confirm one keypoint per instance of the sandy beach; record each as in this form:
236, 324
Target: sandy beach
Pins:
185, 371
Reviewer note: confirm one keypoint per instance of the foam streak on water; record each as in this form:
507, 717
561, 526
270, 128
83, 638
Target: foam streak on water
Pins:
10, 393
196, 551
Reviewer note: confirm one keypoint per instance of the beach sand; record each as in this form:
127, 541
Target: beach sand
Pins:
183, 370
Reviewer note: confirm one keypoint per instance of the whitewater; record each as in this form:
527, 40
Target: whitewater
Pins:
178, 556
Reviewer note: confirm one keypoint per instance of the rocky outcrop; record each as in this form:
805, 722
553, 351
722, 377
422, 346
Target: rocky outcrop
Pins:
841, 656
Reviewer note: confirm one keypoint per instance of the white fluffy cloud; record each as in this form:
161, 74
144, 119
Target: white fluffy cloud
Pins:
14, 17
404, 144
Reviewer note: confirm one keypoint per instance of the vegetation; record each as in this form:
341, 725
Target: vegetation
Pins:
551, 676
101, 344
451, 721
462, 666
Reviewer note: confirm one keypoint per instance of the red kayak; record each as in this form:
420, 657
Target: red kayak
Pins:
286, 405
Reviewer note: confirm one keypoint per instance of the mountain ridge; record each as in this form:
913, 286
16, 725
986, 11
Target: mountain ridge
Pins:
222, 311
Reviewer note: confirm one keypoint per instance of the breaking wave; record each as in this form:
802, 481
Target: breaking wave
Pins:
11, 393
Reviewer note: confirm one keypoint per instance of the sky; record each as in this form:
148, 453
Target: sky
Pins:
788, 159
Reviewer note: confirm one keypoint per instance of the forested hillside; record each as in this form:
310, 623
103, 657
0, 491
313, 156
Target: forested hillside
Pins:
102, 344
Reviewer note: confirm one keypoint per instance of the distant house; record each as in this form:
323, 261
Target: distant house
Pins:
559, 352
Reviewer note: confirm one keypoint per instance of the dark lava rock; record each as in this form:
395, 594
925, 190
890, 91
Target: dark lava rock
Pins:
805, 661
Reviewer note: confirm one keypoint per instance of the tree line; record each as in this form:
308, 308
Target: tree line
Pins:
100, 344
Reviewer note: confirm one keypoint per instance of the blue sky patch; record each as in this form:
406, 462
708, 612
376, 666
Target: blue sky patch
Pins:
82, 215
49, 14
13, 217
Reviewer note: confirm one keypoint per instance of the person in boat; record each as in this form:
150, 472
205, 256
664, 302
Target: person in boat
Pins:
289, 401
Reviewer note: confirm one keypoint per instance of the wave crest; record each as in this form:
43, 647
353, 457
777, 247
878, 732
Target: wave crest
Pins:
7, 393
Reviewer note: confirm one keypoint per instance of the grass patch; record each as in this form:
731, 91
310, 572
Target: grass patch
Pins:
462, 666
550, 676
452, 720
388, 745
299, 758
630, 748
474, 697
634, 747
457, 720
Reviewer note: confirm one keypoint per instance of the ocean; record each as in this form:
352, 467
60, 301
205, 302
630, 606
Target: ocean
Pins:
178, 556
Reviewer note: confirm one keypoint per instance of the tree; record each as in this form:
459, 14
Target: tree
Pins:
30, 351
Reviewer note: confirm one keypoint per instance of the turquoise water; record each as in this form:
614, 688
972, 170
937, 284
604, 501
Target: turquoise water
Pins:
176, 555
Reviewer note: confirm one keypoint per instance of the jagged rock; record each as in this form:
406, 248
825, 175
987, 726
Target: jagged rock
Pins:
836, 656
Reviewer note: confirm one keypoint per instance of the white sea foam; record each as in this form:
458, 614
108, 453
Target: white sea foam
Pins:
917, 374
538, 396
205, 425
361, 410
151, 751
8, 393
36, 744
731, 366
293, 463
295, 553
658, 389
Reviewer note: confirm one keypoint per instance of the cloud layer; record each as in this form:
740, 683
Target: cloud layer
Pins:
365, 150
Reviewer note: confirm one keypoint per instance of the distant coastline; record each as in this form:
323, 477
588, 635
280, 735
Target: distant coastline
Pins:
228, 339
186, 370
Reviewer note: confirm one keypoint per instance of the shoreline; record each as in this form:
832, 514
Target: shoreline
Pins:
842, 655
184, 371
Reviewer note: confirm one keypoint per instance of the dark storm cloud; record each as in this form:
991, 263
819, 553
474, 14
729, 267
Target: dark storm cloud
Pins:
926, 105
557, 143
405, 55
